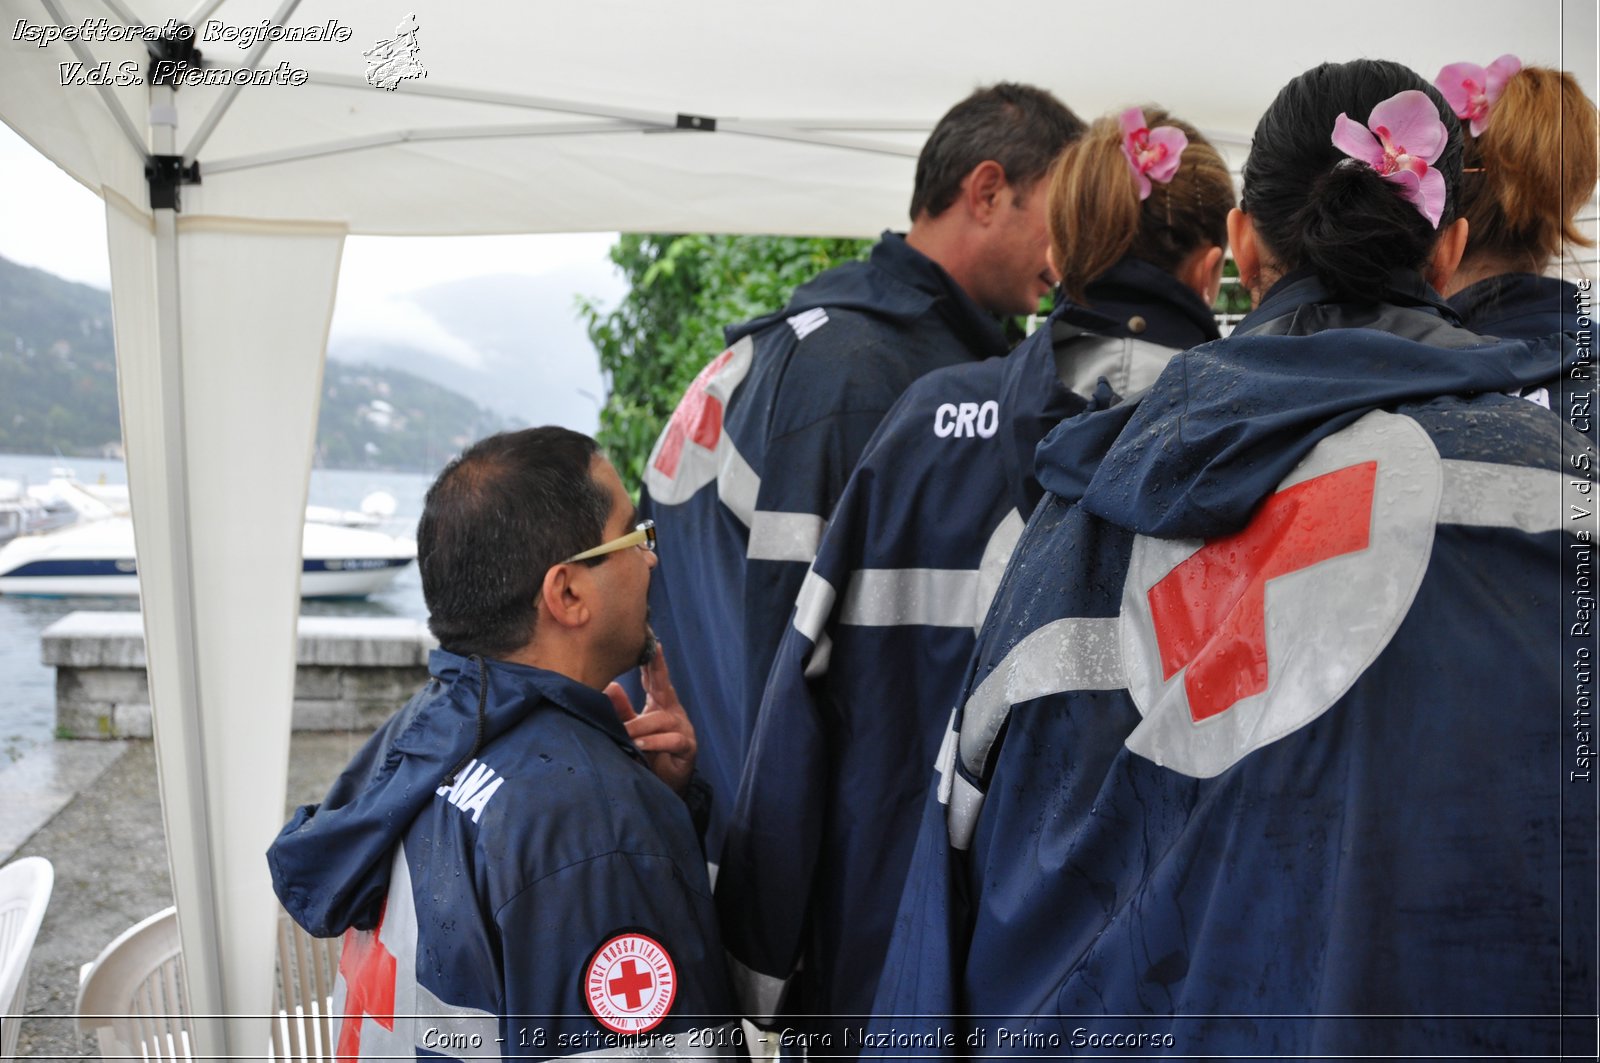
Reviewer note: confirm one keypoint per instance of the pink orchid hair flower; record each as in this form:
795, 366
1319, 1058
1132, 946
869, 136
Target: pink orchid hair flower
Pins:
1471, 90
1153, 154
1403, 137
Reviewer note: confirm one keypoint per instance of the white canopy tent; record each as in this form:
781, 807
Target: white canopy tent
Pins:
533, 117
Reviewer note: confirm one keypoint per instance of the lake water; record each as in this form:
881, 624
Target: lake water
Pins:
27, 705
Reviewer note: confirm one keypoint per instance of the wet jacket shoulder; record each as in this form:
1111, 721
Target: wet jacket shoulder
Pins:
1522, 306
1525, 306
860, 691
755, 458
1217, 671
507, 884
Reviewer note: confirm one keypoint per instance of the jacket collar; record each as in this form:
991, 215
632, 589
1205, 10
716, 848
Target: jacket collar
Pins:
514, 688
1300, 304
979, 329
1138, 300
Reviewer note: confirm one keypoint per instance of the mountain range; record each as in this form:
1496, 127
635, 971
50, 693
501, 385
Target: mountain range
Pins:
401, 398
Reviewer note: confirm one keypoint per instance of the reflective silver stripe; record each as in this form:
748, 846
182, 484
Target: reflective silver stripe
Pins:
1075, 653
821, 653
737, 482
961, 818
1002, 543
1129, 365
889, 597
944, 762
1487, 495
807, 322
421, 1019
813, 604
465, 1033
758, 994
711, 1042
777, 536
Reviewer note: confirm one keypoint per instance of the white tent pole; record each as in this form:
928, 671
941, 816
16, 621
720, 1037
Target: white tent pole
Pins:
167, 588
124, 16
113, 105
573, 129
253, 60
663, 119
409, 136
202, 11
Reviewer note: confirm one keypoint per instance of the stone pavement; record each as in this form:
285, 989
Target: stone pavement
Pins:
104, 837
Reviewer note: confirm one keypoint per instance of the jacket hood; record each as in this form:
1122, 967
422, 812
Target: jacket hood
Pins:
1226, 422
898, 283
1040, 389
330, 863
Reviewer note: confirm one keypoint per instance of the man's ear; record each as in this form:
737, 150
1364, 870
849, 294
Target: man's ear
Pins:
1201, 272
983, 190
563, 595
1446, 255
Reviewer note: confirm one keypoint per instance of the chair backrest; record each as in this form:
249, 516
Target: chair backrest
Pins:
133, 995
25, 887
307, 966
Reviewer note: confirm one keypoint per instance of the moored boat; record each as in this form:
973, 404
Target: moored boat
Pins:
96, 558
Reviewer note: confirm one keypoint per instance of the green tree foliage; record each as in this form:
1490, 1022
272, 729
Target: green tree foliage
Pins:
683, 290
1233, 299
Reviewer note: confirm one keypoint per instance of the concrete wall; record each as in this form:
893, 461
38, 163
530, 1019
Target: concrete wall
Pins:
351, 673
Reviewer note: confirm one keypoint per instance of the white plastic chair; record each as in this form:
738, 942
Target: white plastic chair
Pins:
307, 966
134, 997
25, 887
133, 994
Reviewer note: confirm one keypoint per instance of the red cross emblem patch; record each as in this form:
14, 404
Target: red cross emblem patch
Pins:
698, 417
1232, 643
690, 452
630, 983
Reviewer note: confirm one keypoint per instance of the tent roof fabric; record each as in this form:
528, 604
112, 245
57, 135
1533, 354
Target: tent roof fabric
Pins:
537, 117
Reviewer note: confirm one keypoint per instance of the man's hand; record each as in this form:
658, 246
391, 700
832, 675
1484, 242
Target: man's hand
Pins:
662, 732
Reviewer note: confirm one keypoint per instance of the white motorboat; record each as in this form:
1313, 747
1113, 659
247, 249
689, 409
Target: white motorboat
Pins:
95, 557
22, 513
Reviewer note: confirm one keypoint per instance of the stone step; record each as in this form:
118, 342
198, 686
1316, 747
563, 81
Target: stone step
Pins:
351, 673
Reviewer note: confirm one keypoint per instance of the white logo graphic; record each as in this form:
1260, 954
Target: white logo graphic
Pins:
393, 61
630, 984
1233, 644
966, 419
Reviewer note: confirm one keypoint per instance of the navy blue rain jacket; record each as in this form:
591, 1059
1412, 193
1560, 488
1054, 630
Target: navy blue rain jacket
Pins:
1524, 306
756, 455
869, 670
1268, 747
522, 910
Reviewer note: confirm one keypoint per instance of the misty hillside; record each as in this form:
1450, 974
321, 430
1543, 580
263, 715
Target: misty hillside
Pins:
58, 389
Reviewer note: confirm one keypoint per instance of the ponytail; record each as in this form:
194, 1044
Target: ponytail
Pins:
1097, 217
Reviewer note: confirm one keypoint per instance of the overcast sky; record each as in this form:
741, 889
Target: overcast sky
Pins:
50, 221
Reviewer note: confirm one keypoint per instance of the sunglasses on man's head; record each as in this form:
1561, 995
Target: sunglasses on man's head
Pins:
643, 534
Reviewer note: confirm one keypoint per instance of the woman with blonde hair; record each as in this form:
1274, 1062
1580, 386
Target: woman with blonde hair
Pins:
860, 691
1530, 166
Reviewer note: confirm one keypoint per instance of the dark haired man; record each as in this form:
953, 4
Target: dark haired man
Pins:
761, 446
509, 858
